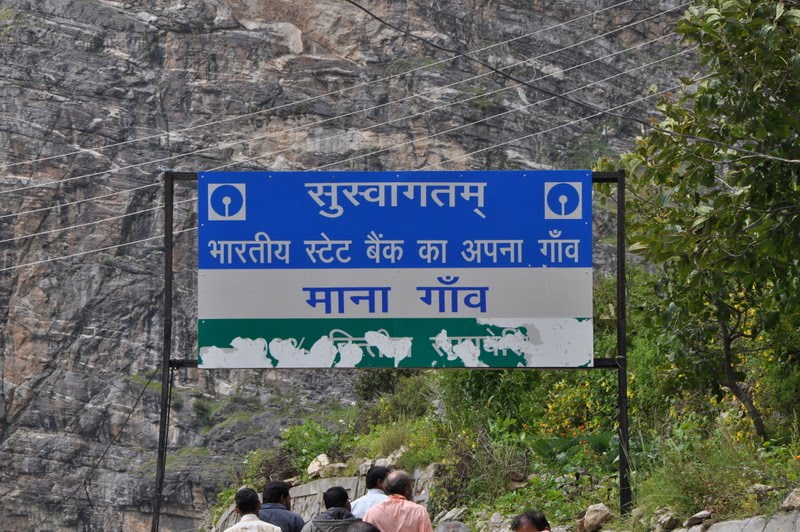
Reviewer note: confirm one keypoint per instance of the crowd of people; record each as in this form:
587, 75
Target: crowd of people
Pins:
387, 506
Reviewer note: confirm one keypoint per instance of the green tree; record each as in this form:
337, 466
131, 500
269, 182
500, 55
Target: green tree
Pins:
715, 197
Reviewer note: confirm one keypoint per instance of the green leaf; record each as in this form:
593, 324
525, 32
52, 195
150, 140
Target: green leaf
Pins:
765, 30
793, 14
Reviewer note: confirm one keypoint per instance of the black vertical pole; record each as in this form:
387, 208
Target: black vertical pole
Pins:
625, 496
167, 349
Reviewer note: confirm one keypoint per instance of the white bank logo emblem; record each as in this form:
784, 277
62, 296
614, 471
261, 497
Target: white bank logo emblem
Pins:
563, 201
227, 202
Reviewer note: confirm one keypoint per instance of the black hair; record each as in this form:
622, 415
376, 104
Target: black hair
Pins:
335, 497
397, 482
536, 519
375, 474
247, 501
274, 490
363, 526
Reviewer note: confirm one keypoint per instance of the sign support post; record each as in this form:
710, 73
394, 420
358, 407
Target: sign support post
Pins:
163, 427
166, 362
620, 362
625, 496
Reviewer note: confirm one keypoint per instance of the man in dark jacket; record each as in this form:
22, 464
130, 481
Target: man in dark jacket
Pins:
276, 508
337, 516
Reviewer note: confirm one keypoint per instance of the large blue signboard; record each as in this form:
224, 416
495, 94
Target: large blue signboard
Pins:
395, 269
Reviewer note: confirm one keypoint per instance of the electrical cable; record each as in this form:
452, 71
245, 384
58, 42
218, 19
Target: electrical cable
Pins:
382, 124
427, 91
456, 128
572, 122
330, 119
116, 437
103, 220
313, 98
440, 107
305, 126
81, 253
91, 471
76, 202
584, 104
428, 42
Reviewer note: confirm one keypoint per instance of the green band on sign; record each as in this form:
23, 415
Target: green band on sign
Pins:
399, 342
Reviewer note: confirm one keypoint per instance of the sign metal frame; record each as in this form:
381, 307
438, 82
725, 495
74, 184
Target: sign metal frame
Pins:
619, 363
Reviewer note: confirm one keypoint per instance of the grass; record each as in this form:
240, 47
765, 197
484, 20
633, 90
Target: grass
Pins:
186, 455
716, 471
230, 421
406, 64
154, 386
223, 413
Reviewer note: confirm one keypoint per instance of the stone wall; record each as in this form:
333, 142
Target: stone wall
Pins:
307, 498
780, 522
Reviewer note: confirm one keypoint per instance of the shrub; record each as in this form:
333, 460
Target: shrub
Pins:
266, 465
425, 443
412, 397
303, 443
372, 383
714, 470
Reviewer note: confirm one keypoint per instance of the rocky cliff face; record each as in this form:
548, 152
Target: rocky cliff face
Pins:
96, 96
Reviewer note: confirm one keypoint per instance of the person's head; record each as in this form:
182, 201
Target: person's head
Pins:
247, 501
363, 526
376, 475
398, 483
530, 521
278, 491
336, 497
452, 526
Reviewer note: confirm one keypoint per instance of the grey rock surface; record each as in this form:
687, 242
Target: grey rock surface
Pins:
781, 522
596, 516
454, 514
792, 501
96, 96
665, 519
697, 518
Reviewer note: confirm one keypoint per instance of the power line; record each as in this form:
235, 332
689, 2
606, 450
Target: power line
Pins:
109, 219
456, 128
305, 126
443, 106
313, 98
583, 104
572, 122
319, 122
428, 42
116, 436
382, 124
81, 253
626, 104
76, 202
438, 108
